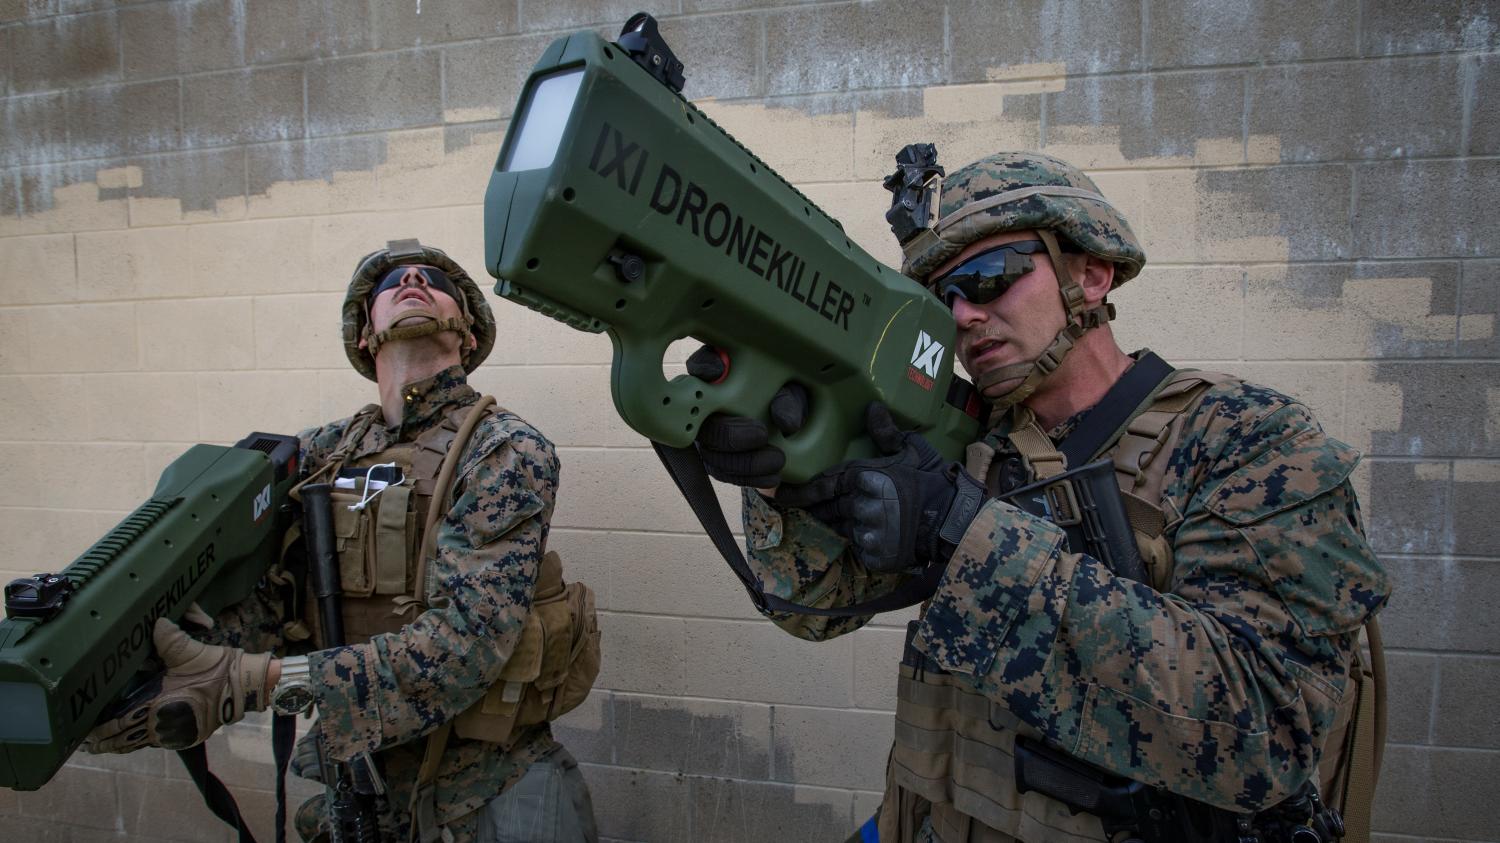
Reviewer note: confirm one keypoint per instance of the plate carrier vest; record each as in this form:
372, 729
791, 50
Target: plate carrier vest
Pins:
383, 546
953, 757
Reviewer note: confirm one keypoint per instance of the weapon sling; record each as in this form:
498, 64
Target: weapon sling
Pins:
215, 794
1097, 430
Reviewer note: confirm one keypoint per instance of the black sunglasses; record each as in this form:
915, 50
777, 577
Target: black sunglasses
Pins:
436, 279
986, 276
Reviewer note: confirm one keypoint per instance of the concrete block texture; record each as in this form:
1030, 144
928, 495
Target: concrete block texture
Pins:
1039, 38
112, 120
1428, 789
759, 812
632, 804
1390, 27
757, 662
374, 92
721, 54
968, 122
853, 46
1125, 121
1412, 687
1426, 209
1352, 311
651, 573
397, 25
1183, 313
588, 730
606, 15
1476, 495
83, 338
1198, 32
1386, 108
292, 30
35, 128
1481, 81
695, 737
191, 186
38, 270
832, 747
1259, 214
1441, 604
1461, 718
483, 80
187, 36
1445, 409
243, 106
142, 407
69, 51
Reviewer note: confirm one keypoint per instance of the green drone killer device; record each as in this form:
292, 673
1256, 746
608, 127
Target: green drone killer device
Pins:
618, 206
75, 643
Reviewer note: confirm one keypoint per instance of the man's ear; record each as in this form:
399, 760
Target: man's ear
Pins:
1097, 277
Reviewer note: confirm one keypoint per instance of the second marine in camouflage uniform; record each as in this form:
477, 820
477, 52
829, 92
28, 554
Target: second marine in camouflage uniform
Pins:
1225, 679
444, 626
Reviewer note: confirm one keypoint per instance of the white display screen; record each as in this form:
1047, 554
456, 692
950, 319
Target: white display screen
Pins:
543, 118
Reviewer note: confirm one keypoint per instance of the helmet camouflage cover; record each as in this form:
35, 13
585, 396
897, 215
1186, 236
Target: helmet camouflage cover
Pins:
1013, 191
374, 266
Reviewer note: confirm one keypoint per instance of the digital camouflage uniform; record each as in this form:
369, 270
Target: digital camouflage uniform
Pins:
385, 694
1222, 687
1224, 682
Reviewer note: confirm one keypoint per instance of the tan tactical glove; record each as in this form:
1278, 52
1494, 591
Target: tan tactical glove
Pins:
203, 688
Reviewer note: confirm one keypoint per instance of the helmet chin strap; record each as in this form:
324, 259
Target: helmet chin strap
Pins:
1080, 321
428, 327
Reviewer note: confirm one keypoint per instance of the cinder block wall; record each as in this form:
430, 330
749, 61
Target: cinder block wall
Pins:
186, 185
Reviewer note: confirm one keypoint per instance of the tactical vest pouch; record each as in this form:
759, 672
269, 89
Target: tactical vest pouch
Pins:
374, 541
954, 748
552, 668
352, 540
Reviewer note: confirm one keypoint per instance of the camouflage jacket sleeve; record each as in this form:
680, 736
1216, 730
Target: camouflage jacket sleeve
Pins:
399, 686
1224, 688
799, 558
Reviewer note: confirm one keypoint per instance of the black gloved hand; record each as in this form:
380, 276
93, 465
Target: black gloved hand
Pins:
737, 449
906, 509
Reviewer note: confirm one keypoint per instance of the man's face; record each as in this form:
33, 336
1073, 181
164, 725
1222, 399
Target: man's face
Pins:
411, 300
1014, 328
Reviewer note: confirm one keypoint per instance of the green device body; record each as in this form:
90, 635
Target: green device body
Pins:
73, 643
616, 205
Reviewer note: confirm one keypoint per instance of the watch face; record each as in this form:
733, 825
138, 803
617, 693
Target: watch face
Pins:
293, 700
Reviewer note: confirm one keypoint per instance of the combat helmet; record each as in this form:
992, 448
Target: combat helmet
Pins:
1014, 191
477, 320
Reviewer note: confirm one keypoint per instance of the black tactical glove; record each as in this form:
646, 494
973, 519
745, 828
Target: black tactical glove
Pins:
737, 449
906, 509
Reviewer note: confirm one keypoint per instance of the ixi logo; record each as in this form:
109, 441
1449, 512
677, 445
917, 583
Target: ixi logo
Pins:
262, 503
926, 358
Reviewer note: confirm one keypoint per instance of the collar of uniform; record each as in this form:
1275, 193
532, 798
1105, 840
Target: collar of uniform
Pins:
427, 399
1070, 424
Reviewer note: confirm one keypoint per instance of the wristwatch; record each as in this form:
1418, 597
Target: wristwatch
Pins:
293, 692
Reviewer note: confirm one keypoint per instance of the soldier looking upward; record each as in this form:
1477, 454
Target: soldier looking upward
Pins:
1226, 681
463, 642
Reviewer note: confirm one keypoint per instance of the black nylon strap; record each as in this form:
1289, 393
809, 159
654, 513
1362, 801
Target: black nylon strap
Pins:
686, 470
215, 794
283, 734
1096, 431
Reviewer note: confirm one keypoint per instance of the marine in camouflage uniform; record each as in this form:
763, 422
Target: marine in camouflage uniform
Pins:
383, 695
1226, 679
